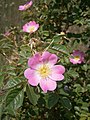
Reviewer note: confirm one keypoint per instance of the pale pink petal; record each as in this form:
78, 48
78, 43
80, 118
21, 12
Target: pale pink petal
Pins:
21, 7
32, 23
49, 58
57, 72
56, 77
25, 28
33, 81
33, 78
34, 61
28, 73
43, 85
79, 61
30, 3
48, 85
72, 60
51, 85
36, 27
25, 6
59, 69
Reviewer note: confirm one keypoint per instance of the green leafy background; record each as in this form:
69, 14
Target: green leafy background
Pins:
71, 99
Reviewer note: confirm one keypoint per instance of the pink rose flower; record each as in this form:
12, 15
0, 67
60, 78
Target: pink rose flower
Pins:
26, 6
43, 71
30, 27
77, 57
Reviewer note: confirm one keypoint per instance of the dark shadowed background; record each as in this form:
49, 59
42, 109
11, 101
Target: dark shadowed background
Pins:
9, 13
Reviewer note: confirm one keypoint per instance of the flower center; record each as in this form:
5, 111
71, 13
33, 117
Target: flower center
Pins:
31, 29
77, 58
27, 6
44, 71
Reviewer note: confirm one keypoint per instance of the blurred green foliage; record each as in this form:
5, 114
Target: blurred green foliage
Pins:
71, 99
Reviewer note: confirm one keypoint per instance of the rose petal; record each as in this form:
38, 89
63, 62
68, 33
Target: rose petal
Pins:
34, 61
56, 77
25, 6
28, 73
73, 61
51, 85
33, 81
33, 78
78, 53
48, 85
36, 27
59, 69
57, 72
50, 58
32, 23
43, 85
21, 7
30, 3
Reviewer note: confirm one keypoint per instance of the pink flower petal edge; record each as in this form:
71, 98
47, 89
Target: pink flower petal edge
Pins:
25, 6
48, 85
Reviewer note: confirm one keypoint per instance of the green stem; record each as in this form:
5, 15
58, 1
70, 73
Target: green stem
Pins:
59, 51
49, 45
21, 83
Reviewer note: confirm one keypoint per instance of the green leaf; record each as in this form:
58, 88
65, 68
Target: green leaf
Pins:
78, 88
88, 118
74, 45
66, 103
88, 87
83, 118
25, 51
77, 108
62, 92
41, 101
85, 108
1, 80
11, 110
33, 97
85, 67
45, 33
12, 82
15, 98
1, 110
57, 38
73, 73
12, 73
61, 48
52, 99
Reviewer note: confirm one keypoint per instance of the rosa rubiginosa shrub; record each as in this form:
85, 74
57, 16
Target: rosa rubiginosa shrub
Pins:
60, 29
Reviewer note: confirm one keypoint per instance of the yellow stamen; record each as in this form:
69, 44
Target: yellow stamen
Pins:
44, 71
31, 28
77, 57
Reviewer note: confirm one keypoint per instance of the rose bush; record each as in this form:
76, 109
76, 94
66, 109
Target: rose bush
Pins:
55, 84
